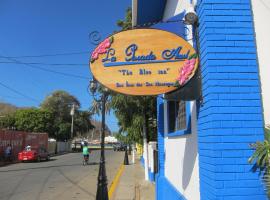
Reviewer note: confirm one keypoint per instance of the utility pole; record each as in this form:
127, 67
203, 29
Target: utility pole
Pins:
72, 116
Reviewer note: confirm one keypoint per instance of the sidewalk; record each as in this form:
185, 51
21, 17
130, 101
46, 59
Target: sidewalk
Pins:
132, 185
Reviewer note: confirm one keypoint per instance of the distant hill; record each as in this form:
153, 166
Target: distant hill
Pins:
95, 133
6, 108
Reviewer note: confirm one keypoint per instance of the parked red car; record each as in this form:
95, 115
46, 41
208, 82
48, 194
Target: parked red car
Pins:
34, 154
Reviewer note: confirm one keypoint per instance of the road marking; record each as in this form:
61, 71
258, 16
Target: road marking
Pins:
115, 181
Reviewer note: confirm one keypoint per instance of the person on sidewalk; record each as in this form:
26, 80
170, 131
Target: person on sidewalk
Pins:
8, 152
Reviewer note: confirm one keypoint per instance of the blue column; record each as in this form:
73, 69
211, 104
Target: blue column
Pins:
230, 117
161, 154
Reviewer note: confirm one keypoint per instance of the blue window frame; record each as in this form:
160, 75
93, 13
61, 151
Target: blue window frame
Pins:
178, 118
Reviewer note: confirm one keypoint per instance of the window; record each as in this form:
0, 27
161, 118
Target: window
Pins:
178, 118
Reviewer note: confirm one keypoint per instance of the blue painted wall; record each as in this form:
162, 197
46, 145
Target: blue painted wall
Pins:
164, 189
161, 154
231, 115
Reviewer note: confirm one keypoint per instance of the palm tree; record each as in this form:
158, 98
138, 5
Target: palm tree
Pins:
262, 157
96, 107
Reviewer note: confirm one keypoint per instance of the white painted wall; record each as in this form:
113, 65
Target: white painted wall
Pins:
181, 161
181, 152
151, 147
63, 147
174, 7
261, 12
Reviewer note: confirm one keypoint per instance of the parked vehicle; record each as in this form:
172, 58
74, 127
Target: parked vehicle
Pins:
119, 147
76, 145
34, 154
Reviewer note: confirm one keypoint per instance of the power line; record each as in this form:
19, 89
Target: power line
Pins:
44, 69
51, 55
38, 63
17, 92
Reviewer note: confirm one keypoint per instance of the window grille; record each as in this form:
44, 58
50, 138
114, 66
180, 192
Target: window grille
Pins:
177, 116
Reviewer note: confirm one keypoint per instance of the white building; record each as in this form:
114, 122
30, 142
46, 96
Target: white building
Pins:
207, 158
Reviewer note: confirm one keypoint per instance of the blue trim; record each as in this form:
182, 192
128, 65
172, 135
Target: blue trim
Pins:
188, 125
116, 64
142, 161
166, 190
174, 25
151, 175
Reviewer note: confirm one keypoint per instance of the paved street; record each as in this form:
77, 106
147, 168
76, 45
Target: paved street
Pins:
64, 177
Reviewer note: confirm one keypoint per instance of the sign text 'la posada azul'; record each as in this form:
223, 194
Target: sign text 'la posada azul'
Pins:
143, 62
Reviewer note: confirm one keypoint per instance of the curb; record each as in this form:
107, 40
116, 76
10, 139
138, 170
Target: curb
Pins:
115, 181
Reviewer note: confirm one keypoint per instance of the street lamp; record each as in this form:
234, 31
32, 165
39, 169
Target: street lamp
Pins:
102, 190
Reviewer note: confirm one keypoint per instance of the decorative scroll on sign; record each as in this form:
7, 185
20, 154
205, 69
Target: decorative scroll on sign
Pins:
143, 62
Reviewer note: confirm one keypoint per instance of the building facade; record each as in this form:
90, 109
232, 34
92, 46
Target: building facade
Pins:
203, 144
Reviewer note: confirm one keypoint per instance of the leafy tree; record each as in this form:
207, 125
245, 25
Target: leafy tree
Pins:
130, 111
60, 104
96, 105
127, 23
261, 156
53, 117
63, 132
34, 120
82, 123
121, 137
7, 121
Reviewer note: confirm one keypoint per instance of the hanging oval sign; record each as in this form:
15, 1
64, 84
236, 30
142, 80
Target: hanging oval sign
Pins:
143, 62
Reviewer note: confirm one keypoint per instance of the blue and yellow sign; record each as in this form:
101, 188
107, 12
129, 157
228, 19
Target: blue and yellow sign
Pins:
143, 62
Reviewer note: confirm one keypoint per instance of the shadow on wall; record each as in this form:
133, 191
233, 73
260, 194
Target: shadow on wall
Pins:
171, 12
191, 150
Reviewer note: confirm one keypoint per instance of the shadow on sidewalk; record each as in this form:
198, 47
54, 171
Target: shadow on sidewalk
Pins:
132, 184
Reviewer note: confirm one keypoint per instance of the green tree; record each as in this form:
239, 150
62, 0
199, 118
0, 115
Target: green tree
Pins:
63, 131
261, 157
7, 121
127, 22
60, 104
82, 123
130, 110
34, 120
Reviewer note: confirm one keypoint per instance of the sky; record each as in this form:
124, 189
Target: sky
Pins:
53, 36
